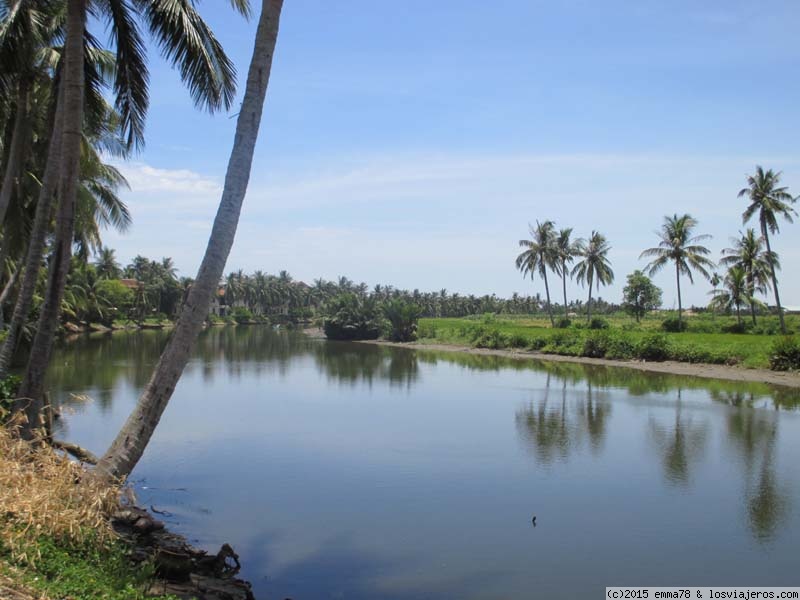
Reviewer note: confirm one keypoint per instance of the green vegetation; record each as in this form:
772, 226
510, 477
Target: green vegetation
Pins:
402, 320
640, 295
703, 341
348, 317
81, 571
785, 355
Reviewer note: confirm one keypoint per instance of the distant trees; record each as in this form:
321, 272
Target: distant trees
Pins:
770, 202
640, 295
748, 254
679, 246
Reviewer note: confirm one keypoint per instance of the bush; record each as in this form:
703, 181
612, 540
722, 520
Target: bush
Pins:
426, 331
654, 346
517, 340
115, 299
735, 328
785, 354
673, 325
241, 314
563, 323
8, 391
403, 317
595, 345
348, 317
536, 343
492, 339
598, 323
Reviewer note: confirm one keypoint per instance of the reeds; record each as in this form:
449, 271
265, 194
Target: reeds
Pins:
44, 494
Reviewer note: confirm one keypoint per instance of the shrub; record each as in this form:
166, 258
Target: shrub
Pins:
654, 346
673, 325
241, 314
426, 331
785, 354
536, 343
598, 323
402, 317
490, 338
563, 323
620, 346
115, 299
8, 391
595, 345
735, 328
348, 317
517, 340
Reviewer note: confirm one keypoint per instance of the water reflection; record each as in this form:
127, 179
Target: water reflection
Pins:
680, 443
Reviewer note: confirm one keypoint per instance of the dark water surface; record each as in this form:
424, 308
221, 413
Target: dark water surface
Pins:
342, 470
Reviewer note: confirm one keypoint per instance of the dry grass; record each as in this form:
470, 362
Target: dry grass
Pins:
45, 494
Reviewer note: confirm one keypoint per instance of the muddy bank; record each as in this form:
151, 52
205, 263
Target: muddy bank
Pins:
183, 570
786, 379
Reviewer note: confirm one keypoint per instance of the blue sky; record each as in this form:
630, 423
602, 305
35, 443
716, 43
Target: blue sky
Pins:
412, 143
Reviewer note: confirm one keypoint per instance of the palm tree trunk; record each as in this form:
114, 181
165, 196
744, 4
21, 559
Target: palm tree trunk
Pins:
589, 305
564, 283
738, 315
36, 243
774, 278
678, 280
131, 441
547, 293
15, 153
12, 281
31, 389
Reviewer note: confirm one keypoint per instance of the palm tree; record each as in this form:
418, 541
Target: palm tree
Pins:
735, 292
681, 247
566, 251
106, 264
594, 266
539, 256
748, 253
130, 443
209, 76
770, 202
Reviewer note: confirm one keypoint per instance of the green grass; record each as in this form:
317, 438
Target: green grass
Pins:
703, 342
87, 572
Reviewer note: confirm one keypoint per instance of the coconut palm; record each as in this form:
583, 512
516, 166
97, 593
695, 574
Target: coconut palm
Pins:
770, 202
678, 245
594, 266
540, 256
734, 293
566, 250
186, 41
749, 254
130, 443
106, 264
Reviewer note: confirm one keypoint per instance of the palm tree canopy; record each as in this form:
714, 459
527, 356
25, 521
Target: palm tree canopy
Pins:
565, 249
767, 199
748, 252
678, 245
594, 266
540, 252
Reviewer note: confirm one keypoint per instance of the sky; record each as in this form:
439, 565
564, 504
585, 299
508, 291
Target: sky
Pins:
412, 143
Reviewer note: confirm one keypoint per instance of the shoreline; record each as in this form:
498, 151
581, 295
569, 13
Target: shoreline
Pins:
786, 379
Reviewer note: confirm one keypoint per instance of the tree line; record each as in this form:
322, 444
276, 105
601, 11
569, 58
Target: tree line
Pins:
751, 263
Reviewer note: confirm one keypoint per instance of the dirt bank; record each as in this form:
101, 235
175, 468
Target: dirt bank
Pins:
791, 379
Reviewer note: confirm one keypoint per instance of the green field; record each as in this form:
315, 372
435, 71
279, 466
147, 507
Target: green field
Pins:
704, 341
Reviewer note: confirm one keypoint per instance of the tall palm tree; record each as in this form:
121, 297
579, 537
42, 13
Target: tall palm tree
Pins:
749, 254
566, 251
678, 245
770, 202
188, 43
594, 266
130, 443
539, 256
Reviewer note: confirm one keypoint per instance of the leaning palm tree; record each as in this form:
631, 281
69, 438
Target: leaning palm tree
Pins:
566, 251
594, 267
770, 202
130, 443
540, 256
678, 245
748, 253
734, 293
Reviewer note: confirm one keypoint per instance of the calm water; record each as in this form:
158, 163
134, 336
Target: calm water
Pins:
353, 471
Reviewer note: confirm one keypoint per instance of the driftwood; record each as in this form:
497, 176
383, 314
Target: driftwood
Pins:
82, 454
184, 571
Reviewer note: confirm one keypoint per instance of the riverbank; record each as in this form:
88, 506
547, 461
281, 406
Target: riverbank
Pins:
707, 371
64, 535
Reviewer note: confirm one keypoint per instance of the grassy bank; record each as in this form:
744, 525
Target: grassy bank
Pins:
55, 537
706, 340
